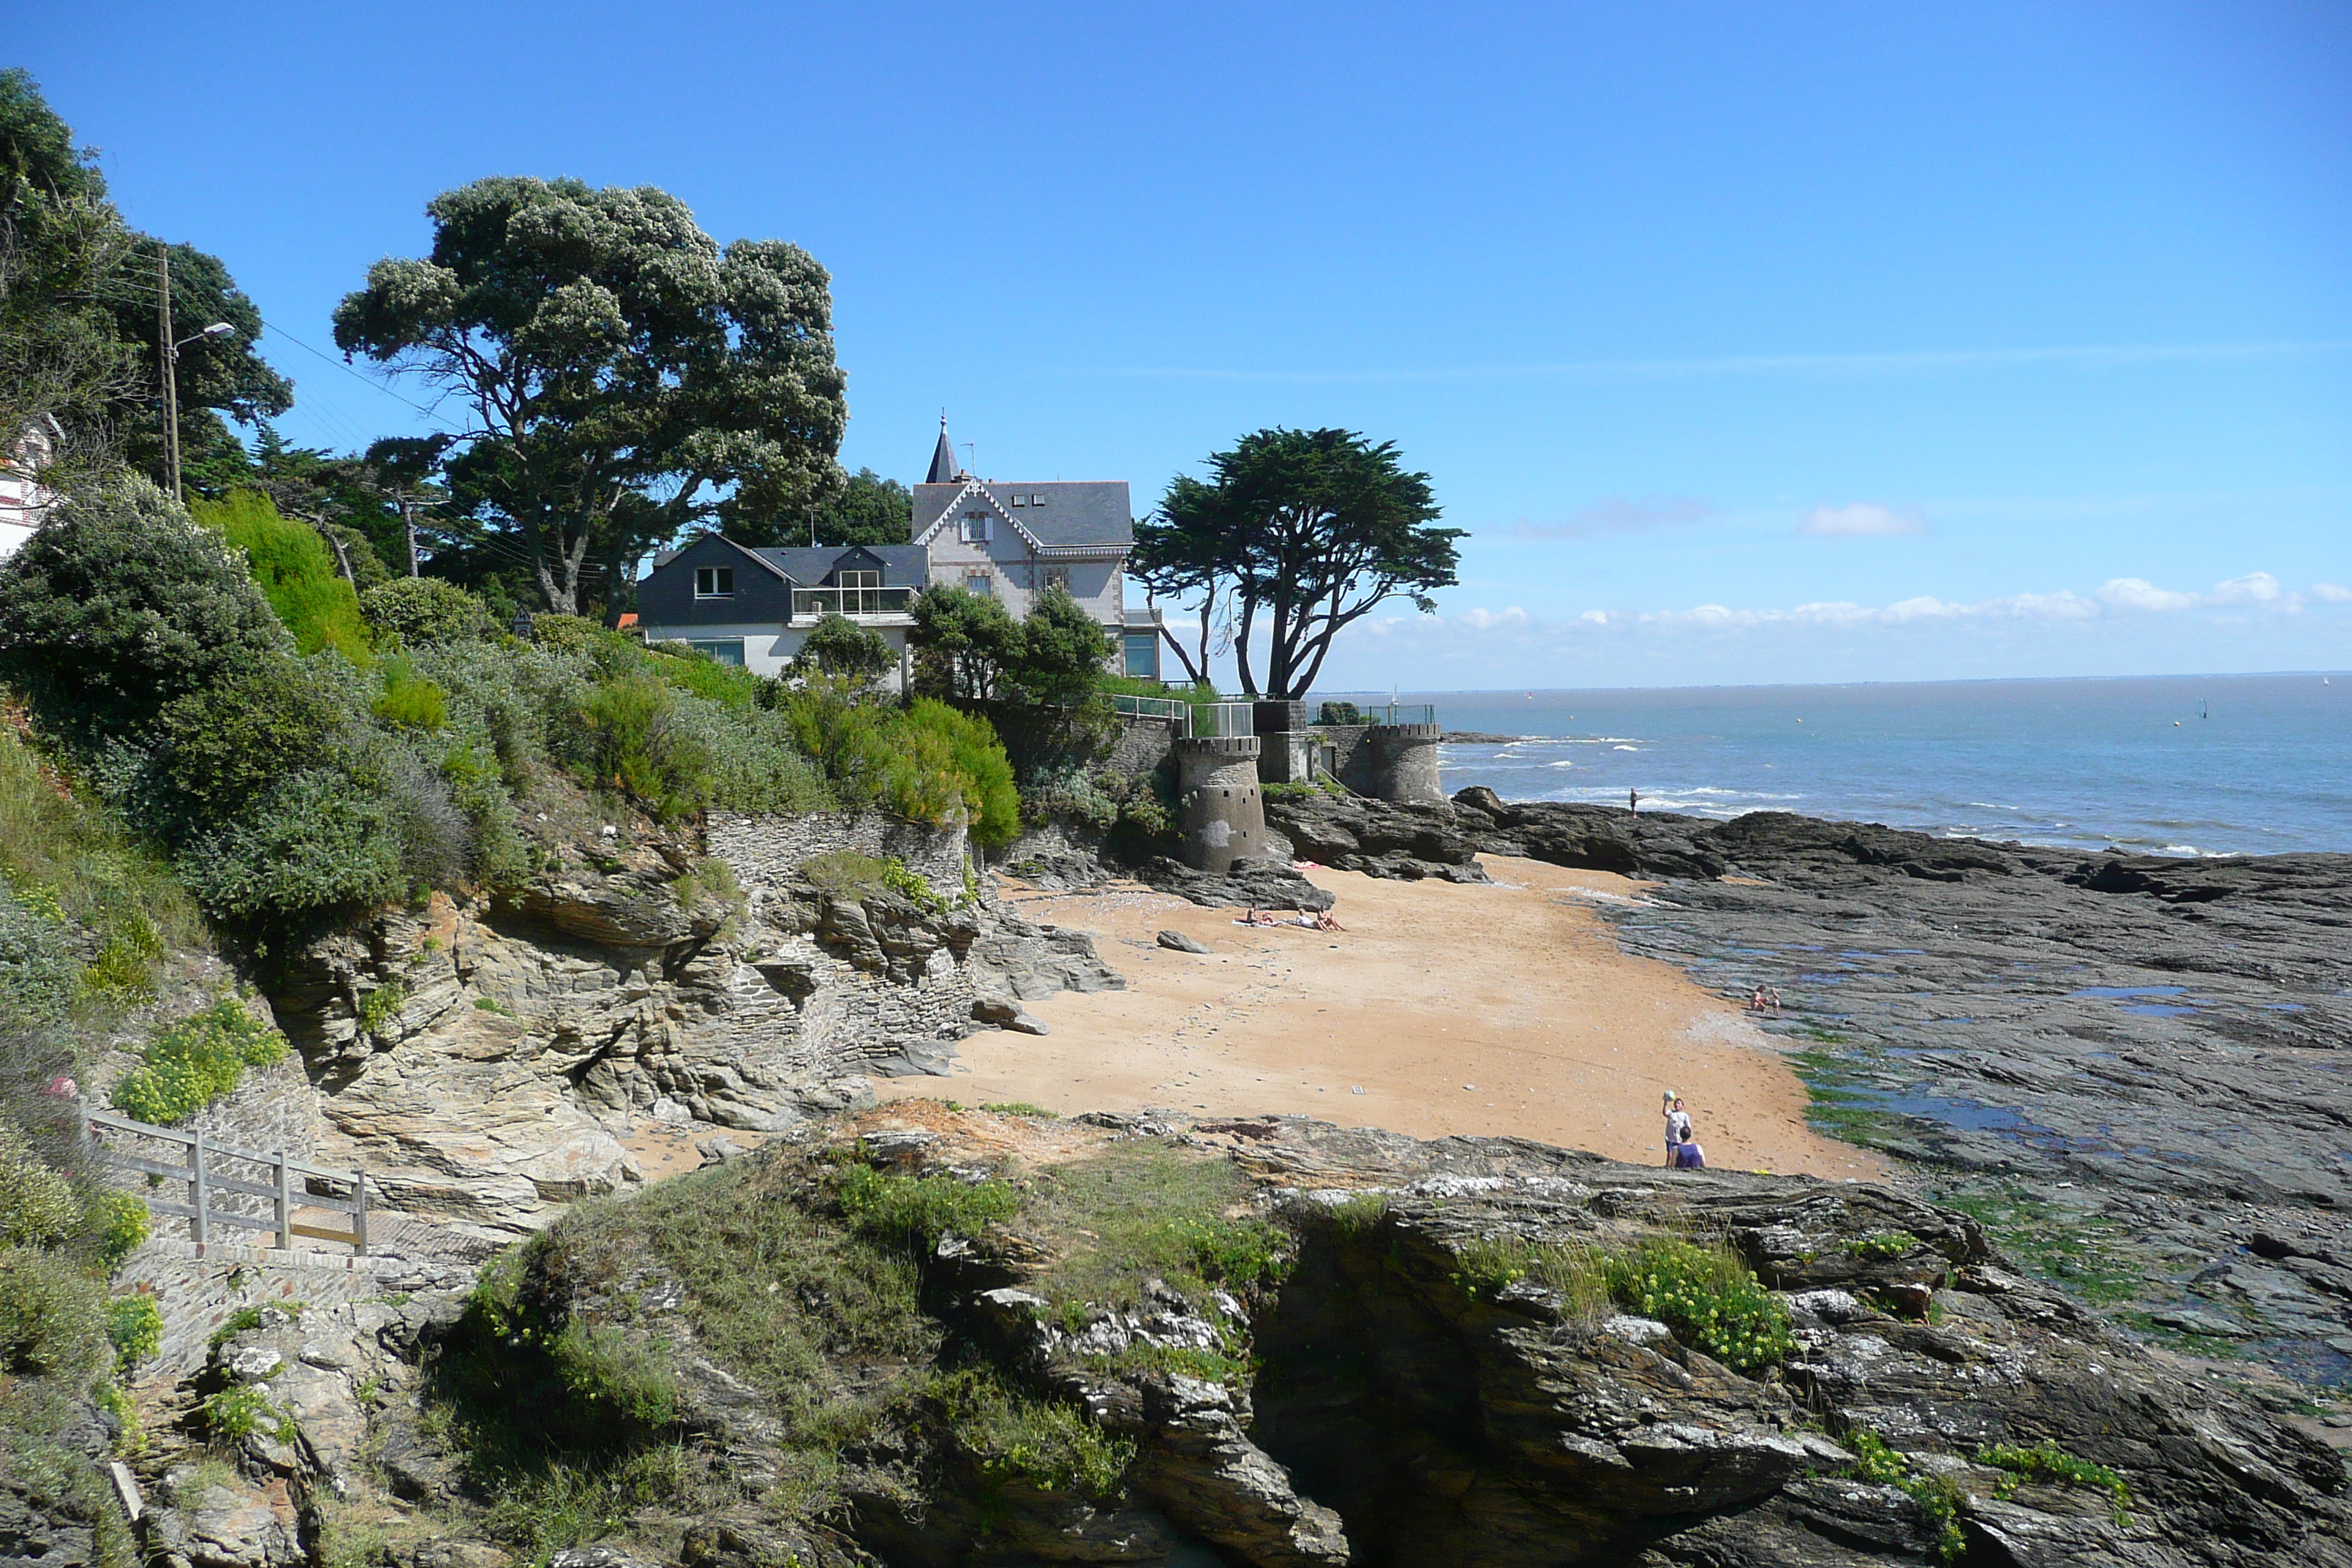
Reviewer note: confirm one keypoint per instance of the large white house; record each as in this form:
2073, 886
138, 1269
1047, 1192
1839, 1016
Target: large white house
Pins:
754, 606
24, 502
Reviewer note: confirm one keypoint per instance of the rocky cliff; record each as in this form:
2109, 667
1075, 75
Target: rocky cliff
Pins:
933, 1338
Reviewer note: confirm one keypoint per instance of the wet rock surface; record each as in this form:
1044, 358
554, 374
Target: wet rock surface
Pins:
2133, 1066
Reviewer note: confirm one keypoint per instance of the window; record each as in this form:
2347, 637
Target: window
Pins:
716, 583
1020, 499
859, 579
1037, 499
1143, 654
729, 651
975, 528
1058, 577
979, 583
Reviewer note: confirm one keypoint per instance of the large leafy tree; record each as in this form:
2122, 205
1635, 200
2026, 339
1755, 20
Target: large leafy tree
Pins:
618, 375
80, 338
1308, 531
864, 509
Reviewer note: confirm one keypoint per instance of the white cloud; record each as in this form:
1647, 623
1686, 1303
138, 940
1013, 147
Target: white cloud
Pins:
2137, 593
2117, 597
1862, 519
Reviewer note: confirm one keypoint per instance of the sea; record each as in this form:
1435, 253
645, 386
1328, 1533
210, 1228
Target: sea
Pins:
2231, 764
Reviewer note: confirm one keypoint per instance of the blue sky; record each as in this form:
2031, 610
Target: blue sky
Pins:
1807, 343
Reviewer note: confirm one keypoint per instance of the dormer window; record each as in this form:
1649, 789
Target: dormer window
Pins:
1038, 499
714, 582
975, 528
1020, 499
859, 579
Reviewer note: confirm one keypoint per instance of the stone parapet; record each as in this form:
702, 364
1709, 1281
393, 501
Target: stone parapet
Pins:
1403, 763
1219, 807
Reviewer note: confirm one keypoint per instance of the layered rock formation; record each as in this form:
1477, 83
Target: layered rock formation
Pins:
483, 1059
1410, 1384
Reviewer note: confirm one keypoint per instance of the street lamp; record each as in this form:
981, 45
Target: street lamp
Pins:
172, 395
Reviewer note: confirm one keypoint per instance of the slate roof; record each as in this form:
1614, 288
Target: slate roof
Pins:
903, 566
1078, 514
943, 463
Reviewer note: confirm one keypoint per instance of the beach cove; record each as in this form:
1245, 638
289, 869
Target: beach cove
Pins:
1443, 1008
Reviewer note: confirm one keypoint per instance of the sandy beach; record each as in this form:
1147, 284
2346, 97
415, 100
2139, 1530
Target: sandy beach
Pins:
1442, 1008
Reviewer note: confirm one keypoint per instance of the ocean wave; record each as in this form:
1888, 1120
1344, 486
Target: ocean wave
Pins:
1625, 748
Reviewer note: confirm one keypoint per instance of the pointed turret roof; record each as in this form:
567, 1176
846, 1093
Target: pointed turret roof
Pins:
943, 463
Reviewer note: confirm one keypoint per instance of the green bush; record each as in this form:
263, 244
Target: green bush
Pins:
315, 841
1011, 1437
410, 700
691, 670
38, 968
50, 1319
119, 605
837, 646
241, 1411
120, 1222
1938, 1497
603, 1368
230, 742
569, 633
292, 565
1339, 714
425, 612
1708, 1297
937, 742
134, 1327
67, 859
1576, 1272
919, 1210
636, 746
38, 1205
195, 1062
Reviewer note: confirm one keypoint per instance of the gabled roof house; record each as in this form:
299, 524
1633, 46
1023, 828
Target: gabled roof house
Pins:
755, 605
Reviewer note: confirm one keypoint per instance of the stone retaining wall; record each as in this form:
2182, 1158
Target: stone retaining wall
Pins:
1144, 747
765, 850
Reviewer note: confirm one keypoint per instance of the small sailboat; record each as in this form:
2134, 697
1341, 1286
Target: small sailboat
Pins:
2204, 709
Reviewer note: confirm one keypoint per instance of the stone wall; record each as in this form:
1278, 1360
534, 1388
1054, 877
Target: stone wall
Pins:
1144, 747
1219, 809
765, 850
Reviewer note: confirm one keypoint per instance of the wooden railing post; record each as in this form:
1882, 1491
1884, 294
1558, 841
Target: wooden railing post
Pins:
285, 1207
199, 1223
359, 1214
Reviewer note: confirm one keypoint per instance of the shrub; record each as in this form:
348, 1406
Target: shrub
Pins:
606, 1368
425, 612
227, 744
409, 700
37, 1207
1579, 1274
292, 565
837, 646
690, 669
1708, 1297
134, 1327
569, 634
119, 605
121, 1223
195, 1062
315, 841
636, 746
240, 1411
917, 1210
847, 737
37, 965
1044, 1444
940, 742
1881, 1243
50, 1319
1938, 1499
1339, 714
1060, 655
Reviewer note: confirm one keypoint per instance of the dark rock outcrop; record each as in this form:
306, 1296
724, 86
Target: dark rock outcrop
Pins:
1250, 884
1352, 834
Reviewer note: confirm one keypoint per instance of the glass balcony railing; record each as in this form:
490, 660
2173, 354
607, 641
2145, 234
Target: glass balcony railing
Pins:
808, 604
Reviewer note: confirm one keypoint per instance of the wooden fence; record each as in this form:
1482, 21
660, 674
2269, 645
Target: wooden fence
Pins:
290, 1184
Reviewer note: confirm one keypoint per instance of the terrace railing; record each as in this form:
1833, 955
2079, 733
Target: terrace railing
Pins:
1224, 720
808, 604
1377, 714
288, 1185
1167, 708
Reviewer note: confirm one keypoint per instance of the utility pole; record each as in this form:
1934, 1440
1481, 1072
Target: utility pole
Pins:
408, 517
169, 354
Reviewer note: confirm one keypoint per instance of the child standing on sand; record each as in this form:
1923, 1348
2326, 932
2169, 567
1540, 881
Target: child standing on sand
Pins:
1678, 1124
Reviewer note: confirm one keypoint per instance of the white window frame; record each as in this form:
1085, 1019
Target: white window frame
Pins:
973, 528
980, 580
721, 580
